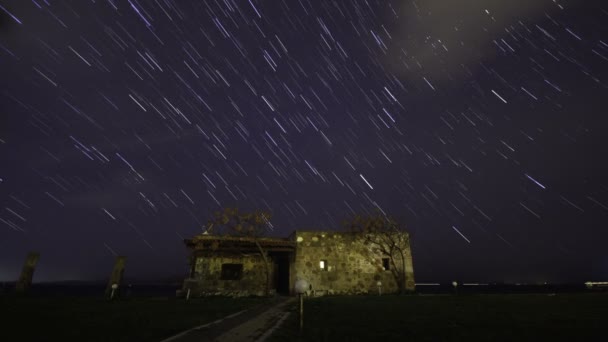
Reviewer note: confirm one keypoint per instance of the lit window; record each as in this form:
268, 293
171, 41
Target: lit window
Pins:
323, 265
386, 264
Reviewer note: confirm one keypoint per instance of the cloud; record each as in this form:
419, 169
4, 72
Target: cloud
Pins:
438, 38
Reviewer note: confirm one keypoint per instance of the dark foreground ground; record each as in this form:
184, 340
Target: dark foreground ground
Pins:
148, 316
493, 317
86, 318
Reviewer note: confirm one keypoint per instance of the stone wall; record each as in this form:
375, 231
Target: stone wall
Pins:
206, 280
353, 267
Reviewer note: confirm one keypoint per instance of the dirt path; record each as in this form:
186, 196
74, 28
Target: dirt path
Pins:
254, 324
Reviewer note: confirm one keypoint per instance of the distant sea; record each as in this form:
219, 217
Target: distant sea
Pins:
77, 288
135, 289
497, 288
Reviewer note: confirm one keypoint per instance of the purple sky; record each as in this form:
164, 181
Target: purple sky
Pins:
482, 127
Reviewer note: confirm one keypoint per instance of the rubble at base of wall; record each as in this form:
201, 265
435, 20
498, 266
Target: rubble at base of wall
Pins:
233, 294
354, 292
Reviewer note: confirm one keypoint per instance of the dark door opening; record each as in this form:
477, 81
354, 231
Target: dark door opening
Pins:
282, 275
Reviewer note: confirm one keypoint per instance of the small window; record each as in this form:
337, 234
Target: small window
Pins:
232, 271
323, 265
386, 264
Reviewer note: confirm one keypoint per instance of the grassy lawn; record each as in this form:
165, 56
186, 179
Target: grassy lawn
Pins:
62, 318
506, 317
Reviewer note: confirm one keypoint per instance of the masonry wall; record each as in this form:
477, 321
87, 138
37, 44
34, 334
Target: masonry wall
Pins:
353, 267
206, 280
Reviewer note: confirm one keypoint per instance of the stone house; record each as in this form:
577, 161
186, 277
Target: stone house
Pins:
331, 262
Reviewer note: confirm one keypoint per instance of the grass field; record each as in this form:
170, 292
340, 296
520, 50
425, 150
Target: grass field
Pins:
84, 319
510, 317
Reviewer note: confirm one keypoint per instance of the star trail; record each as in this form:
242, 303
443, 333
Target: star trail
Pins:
479, 125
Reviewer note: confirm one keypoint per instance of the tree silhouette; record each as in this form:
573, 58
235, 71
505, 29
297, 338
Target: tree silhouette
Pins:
387, 236
250, 225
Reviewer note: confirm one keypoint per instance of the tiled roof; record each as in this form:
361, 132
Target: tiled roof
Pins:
202, 241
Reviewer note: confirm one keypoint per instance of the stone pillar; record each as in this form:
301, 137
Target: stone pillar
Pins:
25, 280
117, 272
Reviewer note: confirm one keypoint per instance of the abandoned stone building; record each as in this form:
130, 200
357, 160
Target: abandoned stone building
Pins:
331, 262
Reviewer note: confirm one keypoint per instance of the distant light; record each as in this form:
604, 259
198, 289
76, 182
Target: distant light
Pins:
596, 283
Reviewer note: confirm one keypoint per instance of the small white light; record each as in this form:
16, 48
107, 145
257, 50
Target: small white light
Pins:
301, 286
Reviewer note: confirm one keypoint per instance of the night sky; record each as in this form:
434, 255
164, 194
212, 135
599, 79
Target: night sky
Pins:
481, 125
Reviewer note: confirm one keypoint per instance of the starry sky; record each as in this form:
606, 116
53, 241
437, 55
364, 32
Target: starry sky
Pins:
481, 125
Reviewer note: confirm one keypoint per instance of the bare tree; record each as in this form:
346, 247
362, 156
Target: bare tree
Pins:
251, 225
387, 236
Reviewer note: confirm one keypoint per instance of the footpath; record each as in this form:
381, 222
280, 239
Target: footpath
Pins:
252, 325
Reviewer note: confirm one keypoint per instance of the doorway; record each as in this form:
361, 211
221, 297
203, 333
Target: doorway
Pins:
282, 274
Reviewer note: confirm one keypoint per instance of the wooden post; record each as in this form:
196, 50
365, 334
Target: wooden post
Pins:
27, 274
114, 288
117, 272
301, 313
